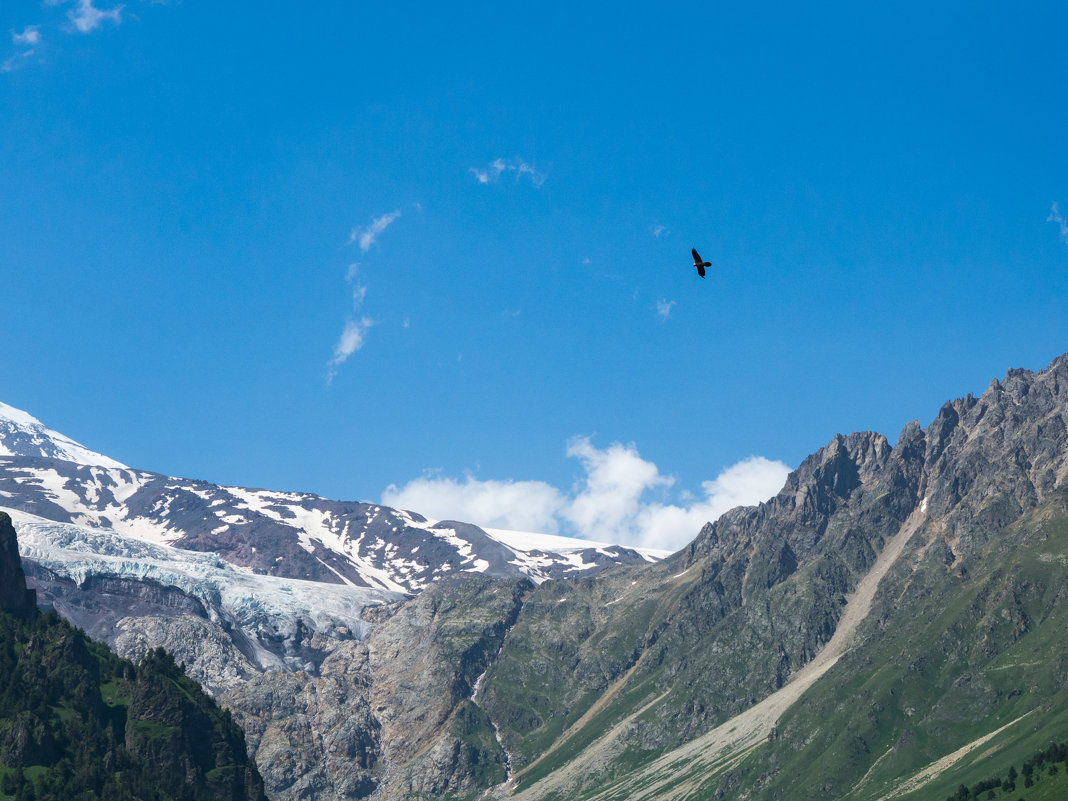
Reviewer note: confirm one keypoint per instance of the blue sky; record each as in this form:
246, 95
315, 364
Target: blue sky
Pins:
442, 254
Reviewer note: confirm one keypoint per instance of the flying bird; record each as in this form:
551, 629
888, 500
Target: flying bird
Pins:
700, 265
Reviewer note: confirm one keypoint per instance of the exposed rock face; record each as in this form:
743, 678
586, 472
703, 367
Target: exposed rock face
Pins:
341, 716
14, 597
989, 459
390, 717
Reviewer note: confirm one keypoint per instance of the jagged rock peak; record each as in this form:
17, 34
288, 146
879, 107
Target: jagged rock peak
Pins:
842, 465
14, 597
812, 493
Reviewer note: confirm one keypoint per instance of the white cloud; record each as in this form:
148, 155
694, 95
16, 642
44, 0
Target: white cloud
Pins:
367, 236
29, 37
87, 18
355, 330
491, 174
498, 167
1055, 216
663, 308
607, 501
620, 498
659, 230
350, 341
515, 505
359, 291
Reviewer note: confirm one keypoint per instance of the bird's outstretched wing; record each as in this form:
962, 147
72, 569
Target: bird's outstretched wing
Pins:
701, 269
696, 256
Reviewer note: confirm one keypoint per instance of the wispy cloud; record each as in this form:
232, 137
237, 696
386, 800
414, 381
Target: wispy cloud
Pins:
499, 167
659, 230
663, 308
367, 236
86, 18
354, 333
30, 37
1055, 216
350, 341
491, 174
620, 498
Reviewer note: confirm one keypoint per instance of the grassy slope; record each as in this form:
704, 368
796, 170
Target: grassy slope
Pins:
947, 659
952, 651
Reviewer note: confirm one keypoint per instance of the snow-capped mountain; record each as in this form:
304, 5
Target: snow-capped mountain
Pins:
272, 600
285, 534
22, 434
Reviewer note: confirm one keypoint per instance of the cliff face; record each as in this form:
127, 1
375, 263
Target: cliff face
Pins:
14, 597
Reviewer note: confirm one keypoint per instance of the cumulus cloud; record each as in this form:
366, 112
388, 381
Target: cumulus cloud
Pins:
514, 505
608, 499
1055, 216
620, 498
498, 167
87, 18
367, 236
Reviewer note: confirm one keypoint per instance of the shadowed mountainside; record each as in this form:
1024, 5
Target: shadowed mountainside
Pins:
78, 722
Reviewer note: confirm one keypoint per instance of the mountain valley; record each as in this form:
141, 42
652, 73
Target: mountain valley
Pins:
890, 625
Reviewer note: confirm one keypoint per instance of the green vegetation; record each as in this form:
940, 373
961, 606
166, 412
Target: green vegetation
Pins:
77, 723
1040, 777
952, 654
956, 673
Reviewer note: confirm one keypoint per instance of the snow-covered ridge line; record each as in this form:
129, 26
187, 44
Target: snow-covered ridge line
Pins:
23, 434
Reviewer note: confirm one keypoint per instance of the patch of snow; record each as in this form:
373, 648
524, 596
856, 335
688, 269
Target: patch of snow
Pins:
526, 541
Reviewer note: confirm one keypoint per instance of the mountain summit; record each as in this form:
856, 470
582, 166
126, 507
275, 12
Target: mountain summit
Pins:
22, 434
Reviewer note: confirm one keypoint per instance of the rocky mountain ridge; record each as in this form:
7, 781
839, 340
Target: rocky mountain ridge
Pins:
760, 592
